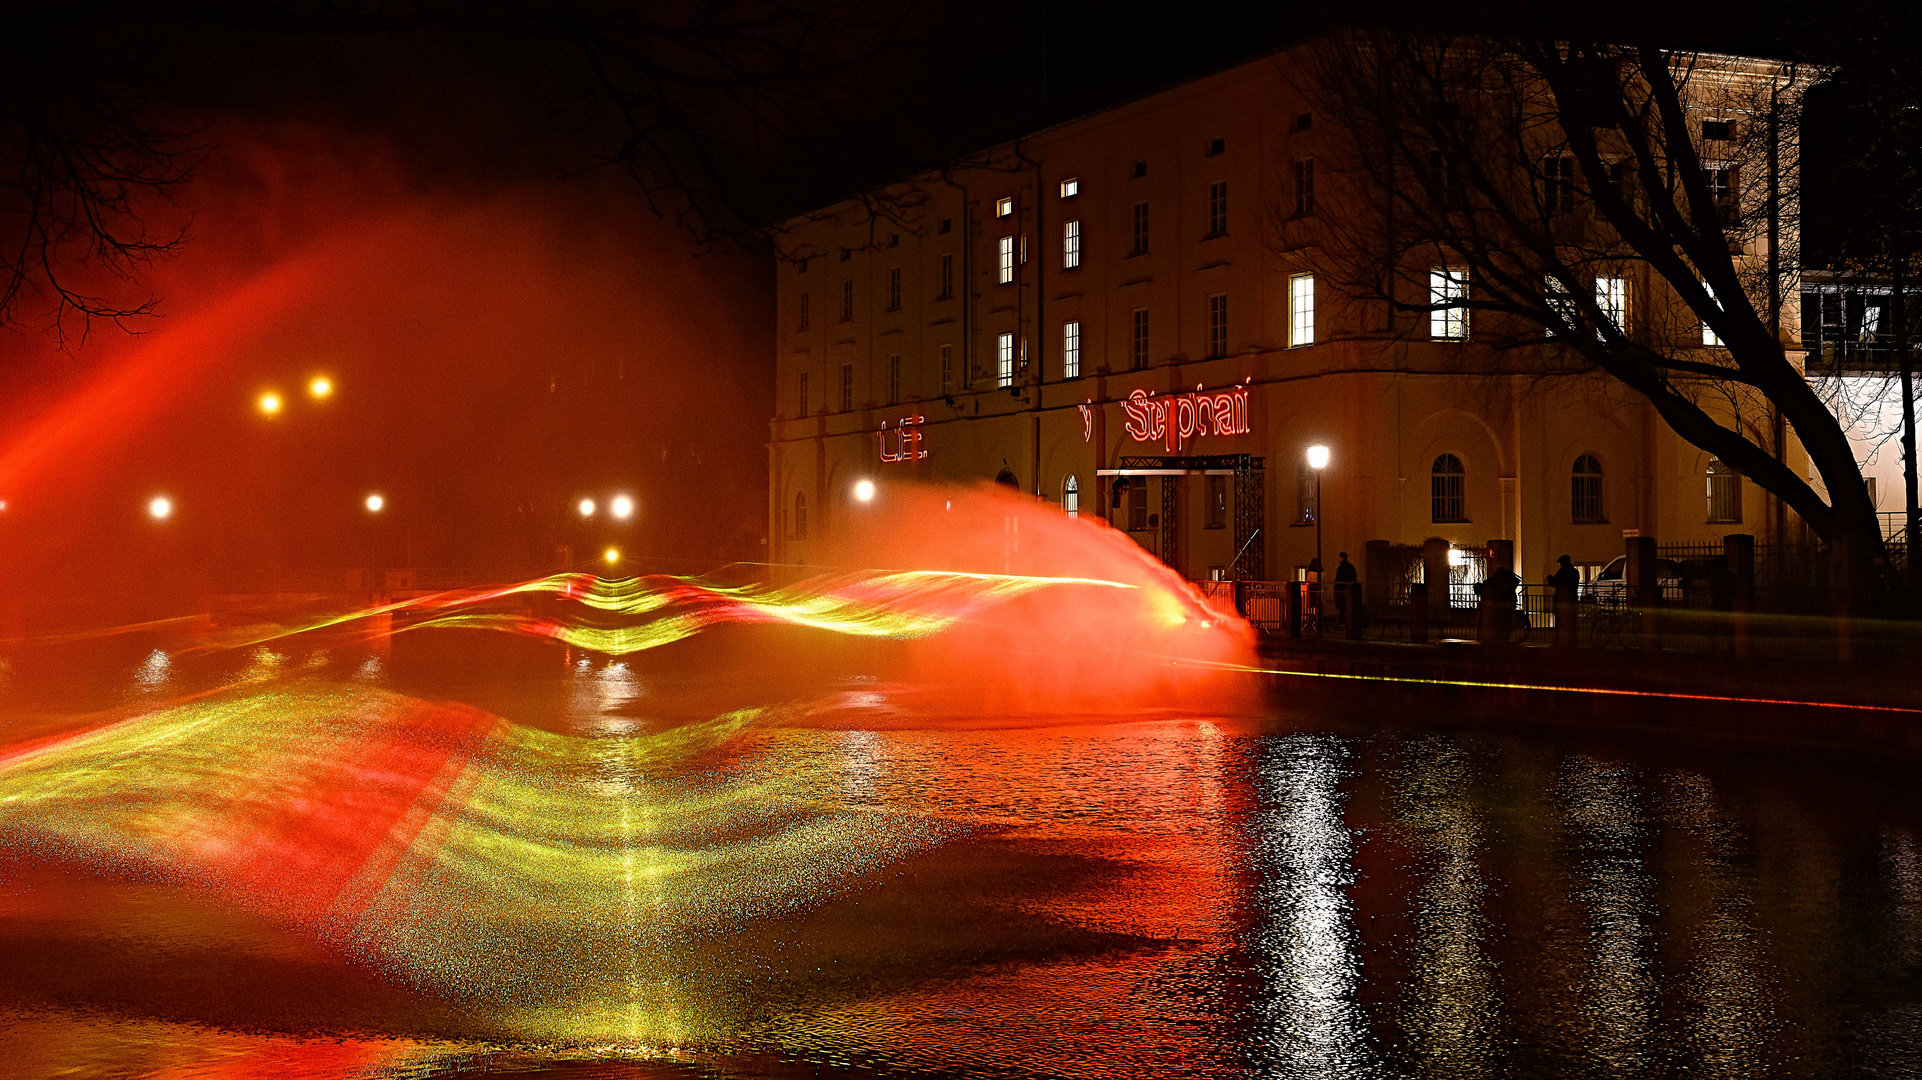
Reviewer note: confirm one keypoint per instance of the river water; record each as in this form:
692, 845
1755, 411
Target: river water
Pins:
460, 854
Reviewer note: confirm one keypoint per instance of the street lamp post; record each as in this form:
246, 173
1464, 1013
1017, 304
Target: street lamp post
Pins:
1318, 460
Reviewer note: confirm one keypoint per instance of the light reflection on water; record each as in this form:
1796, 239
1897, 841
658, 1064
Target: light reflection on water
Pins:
1188, 896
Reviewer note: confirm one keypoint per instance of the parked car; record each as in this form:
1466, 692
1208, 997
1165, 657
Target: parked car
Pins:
1608, 587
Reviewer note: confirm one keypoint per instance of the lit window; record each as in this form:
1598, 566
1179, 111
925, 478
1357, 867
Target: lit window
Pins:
1448, 490
1724, 494
1448, 295
1611, 295
1217, 325
1216, 516
1585, 491
1708, 335
1140, 245
1561, 306
1138, 357
1070, 188
1301, 310
1004, 261
1218, 208
894, 379
1003, 207
1004, 360
847, 387
1071, 496
1071, 350
947, 370
1304, 187
1071, 245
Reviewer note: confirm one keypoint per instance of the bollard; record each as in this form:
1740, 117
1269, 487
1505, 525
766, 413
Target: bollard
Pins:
1418, 613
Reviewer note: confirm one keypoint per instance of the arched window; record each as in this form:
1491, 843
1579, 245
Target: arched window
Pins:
1585, 491
1071, 496
1448, 489
800, 522
1006, 477
1724, 494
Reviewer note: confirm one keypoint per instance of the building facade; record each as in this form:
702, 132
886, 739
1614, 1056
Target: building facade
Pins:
1126, 316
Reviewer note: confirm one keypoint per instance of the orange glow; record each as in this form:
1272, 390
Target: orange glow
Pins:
320, 386
270, 403
375, 503
160, 508
586, 507
622, 507
611, 555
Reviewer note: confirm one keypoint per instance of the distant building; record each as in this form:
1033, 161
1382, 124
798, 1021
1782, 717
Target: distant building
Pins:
1124, 315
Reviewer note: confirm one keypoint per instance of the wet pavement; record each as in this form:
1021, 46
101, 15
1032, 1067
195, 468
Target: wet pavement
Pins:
459, 853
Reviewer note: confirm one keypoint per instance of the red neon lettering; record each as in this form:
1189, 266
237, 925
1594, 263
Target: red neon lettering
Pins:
907, 440
1176, 419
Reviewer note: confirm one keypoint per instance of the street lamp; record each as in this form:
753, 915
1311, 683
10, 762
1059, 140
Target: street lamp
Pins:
611, 555
864, 490
320, 386
586, 508
270, 403
622, 507
160, 508
1318, 460
375, 503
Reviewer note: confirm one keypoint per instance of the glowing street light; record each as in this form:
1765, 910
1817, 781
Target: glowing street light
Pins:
320, 386
611, 556
375, 503
622, 507
160, 508
586, 507
270, 403
864, 490
1318, 460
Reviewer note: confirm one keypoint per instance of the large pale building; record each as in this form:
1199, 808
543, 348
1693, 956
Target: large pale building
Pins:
1138, 296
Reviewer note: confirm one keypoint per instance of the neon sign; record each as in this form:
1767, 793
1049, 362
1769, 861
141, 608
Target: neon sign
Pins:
1176, 418
1087, 426
907, 440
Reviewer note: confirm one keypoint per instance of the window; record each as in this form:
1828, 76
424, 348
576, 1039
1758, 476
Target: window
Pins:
1138, 354
1448, 490
1558, 184
1071, 349
1721, 188
1070, 188
1071, 245
1307, 507
947, 226
894, 239
1071, 496
947, 278
1875, 497
1708, 335
894, 379
800, 266
1218, 208
1585, 491
1723, 130
1216, 147
847, 387
1003, 207
1724, 494
1611, 295
1445, 181
1138, 503
1561, 306
947, 370
1140, 245
894, 288
1301, 310
1448, 293
1618, 182
798, 525
1304, 121
1004, 360
1304, 187
801, 322
1004, 261
847, 300
846, 254
1140, 170
1217, 326
803, 383
1215, 514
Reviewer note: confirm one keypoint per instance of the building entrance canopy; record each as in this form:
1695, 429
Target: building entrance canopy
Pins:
1250, 482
